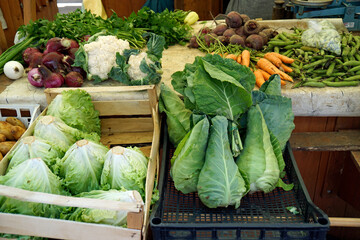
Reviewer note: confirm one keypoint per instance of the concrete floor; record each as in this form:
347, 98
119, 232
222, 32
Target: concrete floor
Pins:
66, 6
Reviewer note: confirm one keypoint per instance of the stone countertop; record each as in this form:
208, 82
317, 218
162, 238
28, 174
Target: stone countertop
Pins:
307, 101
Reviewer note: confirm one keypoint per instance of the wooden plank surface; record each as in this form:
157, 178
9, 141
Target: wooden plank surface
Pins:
62, 229
326, 141
122, 107
126, 138
116, 125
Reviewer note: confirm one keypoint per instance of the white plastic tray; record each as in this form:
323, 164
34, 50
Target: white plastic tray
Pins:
26, 113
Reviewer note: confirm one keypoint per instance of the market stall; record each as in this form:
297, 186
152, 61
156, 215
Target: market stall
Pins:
323, 109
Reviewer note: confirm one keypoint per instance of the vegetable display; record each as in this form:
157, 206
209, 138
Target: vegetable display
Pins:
221, 90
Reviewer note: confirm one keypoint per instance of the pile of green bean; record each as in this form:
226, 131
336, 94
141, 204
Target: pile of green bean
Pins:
319, 68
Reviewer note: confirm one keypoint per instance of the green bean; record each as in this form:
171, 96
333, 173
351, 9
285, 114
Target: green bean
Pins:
338, 74
313, 64
311, 49
330, 78
352, 63
280, 43
297, 45
306, 56
299, 84
350, 38
344, 40
321, 71
276, 49
345, 51
314, 84
352, 51
356, 77
354, 69
287, 52
341, 84
357, 56
329, 56
330, 69
314, 79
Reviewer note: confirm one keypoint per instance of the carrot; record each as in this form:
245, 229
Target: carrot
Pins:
285, 68
231, 56
238, 59
267, 66
259, 79
283, 58
274, 59
245, 58
265, 74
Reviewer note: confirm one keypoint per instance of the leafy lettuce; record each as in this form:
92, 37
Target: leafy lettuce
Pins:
220, 181
125, 168
189, 156
81, 166
76, 109
32, 175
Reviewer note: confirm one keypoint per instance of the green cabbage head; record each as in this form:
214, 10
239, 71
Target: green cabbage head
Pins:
32, 175
125, 168
82, 165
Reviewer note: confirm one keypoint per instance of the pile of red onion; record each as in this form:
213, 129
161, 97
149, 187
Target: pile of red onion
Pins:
53, 67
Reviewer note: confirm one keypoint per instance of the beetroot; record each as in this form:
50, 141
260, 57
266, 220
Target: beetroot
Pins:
35, 78
229, 32
245, 18
220, 29
210, 38
71, 52
237, 40
28, 53
251, 27
240, 31
74, 79
69, 43
205, 30
254, 41
53, 61
193, 43
264, 36
233, 19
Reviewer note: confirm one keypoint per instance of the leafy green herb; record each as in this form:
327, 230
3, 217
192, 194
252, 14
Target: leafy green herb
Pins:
169, 24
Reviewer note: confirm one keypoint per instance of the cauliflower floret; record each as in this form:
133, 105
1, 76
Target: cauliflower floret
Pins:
134, 69
102, 54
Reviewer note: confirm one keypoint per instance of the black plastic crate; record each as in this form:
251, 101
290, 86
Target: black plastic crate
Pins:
260, 216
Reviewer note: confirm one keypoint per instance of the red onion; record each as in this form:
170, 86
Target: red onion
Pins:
51, 79
74, 79
35, 78
28, 53
53, 61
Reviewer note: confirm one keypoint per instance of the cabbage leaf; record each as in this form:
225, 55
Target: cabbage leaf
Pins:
220, 181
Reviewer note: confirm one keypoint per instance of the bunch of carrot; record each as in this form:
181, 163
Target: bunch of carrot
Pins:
273, 63
267, 65
243, 58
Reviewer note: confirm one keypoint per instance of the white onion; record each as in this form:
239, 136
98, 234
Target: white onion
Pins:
13, 70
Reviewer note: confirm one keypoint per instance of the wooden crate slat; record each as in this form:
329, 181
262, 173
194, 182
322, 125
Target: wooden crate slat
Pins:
62, 229
127, 138
326, 141
123, 107
116, 125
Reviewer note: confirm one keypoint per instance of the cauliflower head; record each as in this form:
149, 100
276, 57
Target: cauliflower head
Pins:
134, 70
102, 54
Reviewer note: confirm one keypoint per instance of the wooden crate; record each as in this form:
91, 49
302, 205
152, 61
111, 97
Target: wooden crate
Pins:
123, 122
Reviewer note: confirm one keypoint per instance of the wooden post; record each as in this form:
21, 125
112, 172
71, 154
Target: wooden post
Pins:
29, 9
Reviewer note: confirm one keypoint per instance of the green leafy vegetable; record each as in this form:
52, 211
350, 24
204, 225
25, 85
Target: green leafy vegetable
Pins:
220, 182
189, 157
260, 156
125, 168
276, 109
56, 132
177, 116
33, 147
110, 217
77, 110
32, 175
169, 24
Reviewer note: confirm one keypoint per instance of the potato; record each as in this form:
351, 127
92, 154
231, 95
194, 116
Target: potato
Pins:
1, 156
17, 132
6, 146
15, 122
2, 137
5, 128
